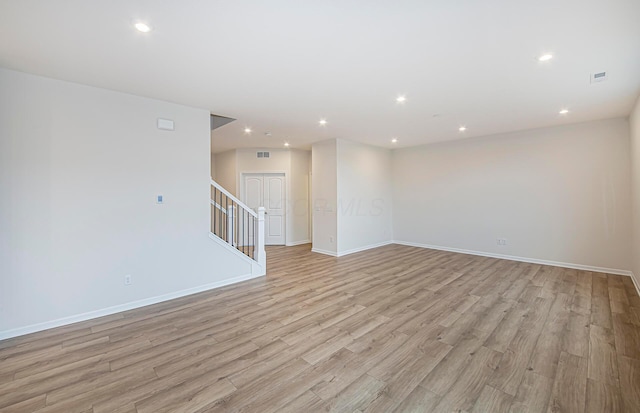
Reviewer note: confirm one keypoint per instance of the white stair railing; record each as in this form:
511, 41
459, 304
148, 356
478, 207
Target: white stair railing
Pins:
235, 223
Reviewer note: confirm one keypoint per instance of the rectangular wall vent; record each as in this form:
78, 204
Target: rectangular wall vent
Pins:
598, 77
263, 154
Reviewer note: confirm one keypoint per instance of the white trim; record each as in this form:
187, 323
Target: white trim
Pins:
351, 251
229, 247
635, 283
257, 269
325, 252
120, 308
521, 259
366, 247
215, 204
293, 244
259, 254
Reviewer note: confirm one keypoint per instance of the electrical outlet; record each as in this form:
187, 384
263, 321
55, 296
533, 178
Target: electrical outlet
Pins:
502, 241
128, 280
331, 239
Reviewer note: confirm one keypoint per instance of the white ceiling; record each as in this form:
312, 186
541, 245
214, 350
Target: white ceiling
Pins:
280, 66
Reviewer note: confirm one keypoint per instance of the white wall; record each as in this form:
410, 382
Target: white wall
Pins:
80, 168
279, 160
558, 194
364, 196
634, 121
298, 232
295, 165
324, 196
213, 166
226, 175
248, 161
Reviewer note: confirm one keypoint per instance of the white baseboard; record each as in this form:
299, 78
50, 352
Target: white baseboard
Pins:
293, 244
521, 259
120, 308
325, 252
154, 300
351, 251
366, 247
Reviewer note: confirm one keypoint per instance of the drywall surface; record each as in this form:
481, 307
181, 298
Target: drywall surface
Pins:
226, 164
556, 194
80, 169
298, 208
324, 196
364, 207
634, 121
213, 166
295, 164
279, 160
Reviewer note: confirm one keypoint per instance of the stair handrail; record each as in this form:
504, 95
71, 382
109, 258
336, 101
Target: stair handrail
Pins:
236, 200
255, 249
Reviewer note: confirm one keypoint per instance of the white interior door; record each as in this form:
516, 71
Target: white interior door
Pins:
268, 191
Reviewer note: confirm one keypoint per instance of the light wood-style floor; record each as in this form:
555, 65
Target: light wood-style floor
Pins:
395, 329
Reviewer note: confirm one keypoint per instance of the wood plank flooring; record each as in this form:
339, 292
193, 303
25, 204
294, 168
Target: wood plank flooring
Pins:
395, 329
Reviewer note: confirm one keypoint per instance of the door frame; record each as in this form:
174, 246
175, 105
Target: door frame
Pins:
241, 177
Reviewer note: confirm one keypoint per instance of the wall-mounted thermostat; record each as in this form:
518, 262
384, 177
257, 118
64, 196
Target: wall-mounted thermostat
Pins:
598, 77
165, 124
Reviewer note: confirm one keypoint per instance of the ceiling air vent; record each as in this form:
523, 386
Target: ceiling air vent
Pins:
598, 77
263, 154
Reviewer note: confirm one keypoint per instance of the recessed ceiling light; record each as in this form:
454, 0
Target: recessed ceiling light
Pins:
286, 144
401, 99
394, 140
545, 57
564, 111
462, 128
322, 122
142, 27
267, 133
247, 130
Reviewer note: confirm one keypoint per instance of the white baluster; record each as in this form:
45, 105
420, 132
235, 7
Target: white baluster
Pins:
260, 255
230, 224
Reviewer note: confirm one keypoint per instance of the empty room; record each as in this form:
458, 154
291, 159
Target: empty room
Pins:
339, 206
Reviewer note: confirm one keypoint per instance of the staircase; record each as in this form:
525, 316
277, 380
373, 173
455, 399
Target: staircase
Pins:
238, 226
